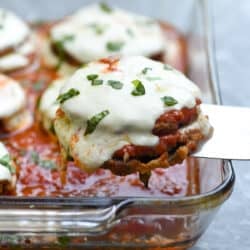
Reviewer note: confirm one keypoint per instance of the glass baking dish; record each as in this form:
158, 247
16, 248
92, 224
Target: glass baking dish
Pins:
127, 222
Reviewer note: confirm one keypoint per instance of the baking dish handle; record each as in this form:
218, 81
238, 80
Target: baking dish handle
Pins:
49, 220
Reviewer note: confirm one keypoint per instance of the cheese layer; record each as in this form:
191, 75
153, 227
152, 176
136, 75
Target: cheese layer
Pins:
48, 105
131, 118
12, 97
18, 58
13, 31
93, 33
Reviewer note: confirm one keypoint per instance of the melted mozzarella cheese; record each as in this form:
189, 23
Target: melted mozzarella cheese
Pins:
27, 48
19, 121
12, 97
13, 61
130, 119
48, 105
96, 33
13, 35
5, 174
13, 31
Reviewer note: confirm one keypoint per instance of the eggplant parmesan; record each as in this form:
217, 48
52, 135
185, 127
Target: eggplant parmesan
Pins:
99, 31
127, 115
17, 48
14, 114
29, 106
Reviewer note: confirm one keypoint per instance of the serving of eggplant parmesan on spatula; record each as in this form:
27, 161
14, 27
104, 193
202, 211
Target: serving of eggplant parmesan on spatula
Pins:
129, 114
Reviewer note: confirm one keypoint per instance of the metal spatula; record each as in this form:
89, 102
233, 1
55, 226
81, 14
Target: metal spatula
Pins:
231, 136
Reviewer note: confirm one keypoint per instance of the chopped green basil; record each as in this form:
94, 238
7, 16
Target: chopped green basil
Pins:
94, 121
114, 46
130, 32
167, 67
59, 47
67, 38
139, 88
145, 70
66, 96
145, 21
98, 28
48, 164
34, 156
6, 162
3, 15
44, 163
94, 80
38, 86
63, 240
97, 82
92, 77
115, 84
149, 78
105, 7
169, 101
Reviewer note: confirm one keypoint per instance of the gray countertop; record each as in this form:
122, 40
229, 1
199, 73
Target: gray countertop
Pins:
231, 227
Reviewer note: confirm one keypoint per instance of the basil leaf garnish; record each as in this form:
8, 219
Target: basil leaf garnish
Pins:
105, 7
36, 159
168, 67
94, 121
139, 88
3, 15
94, 80
34, 156
130, 32
92, 77
59, 46
115, 84
66, 96
145, 70
6, 162
64, 240
169, 100
97, 82
38, 86
114, 46
47, 164
98, 28
153, 78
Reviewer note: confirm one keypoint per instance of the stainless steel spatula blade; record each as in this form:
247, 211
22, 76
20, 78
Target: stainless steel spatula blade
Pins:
231, 136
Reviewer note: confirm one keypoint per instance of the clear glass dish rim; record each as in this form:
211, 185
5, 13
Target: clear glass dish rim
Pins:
205, 200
